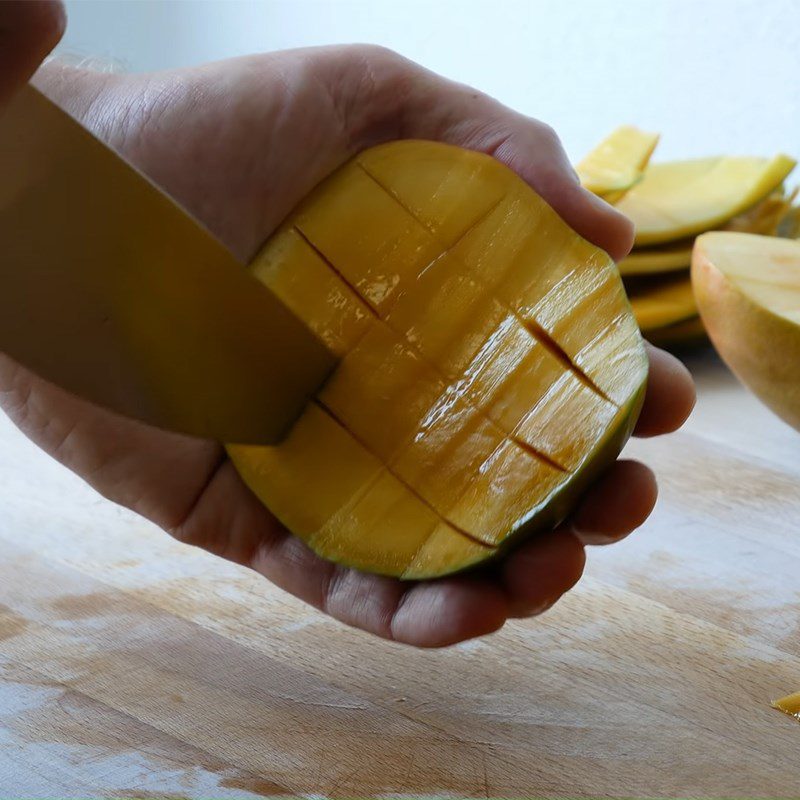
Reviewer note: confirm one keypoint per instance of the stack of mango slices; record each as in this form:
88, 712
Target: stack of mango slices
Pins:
672, 203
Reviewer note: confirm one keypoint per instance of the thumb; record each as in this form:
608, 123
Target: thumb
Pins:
29, 30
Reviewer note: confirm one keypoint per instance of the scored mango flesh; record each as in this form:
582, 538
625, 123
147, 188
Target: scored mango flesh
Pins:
489, 363
617, 163
679, 199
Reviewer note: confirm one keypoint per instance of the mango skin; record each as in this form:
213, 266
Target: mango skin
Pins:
761, 348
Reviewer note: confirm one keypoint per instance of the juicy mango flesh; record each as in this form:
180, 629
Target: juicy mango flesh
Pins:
765, 218
789, 705
659, 301
670, 204
679, 199
617, 163
678, 335
489, 367
657, 260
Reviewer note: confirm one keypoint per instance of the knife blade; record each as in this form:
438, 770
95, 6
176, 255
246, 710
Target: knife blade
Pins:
110, 290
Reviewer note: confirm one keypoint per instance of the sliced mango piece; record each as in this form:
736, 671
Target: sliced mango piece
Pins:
617, 163
789, 226
510, 488
519, 232
447, 315
660, 301
748, 293
512, 371
610, 357
789, 705
435, 430
680, 334
451, 443
657, 260
567, 398
766, 217
678, 199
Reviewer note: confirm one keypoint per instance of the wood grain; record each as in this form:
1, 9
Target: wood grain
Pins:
133, 664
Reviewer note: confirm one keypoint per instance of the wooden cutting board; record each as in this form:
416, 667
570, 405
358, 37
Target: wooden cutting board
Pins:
132, 664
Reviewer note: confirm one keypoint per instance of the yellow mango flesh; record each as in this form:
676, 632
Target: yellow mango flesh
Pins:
748, 292
789, 705
678, 335
489, 363
679, 199
657, 260
766, 217
617, 163
661, 301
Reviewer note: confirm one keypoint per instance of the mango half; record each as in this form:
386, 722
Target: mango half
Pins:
748, 292
490, 366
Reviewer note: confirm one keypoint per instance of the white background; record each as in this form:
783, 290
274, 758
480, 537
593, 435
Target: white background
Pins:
711, 75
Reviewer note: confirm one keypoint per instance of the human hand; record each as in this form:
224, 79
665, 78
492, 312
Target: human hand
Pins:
239, 143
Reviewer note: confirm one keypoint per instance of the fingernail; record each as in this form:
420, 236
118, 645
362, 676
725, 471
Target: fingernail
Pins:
591, 538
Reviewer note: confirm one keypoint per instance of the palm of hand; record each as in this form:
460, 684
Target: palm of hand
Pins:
239, 143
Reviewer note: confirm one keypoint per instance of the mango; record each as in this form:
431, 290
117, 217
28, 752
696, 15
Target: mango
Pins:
679, 199
657, 260
617, 163
790, 705
661, 301
489, 365
765, 218
748, 293
679, 335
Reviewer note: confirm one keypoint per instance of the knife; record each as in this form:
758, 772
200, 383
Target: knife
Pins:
110, 290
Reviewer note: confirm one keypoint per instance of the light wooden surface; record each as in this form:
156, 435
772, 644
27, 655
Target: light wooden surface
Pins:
131, 663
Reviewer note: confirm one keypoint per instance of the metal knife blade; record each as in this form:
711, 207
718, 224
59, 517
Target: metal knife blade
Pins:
110, 290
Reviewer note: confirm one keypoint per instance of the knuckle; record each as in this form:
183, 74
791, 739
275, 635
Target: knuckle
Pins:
547, 135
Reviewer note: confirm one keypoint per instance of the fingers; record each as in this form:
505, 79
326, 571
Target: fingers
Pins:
545, 568
540, 571
670, 395
441, 613
231, 522
616, 505
427, 614
29, 30
155, 473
